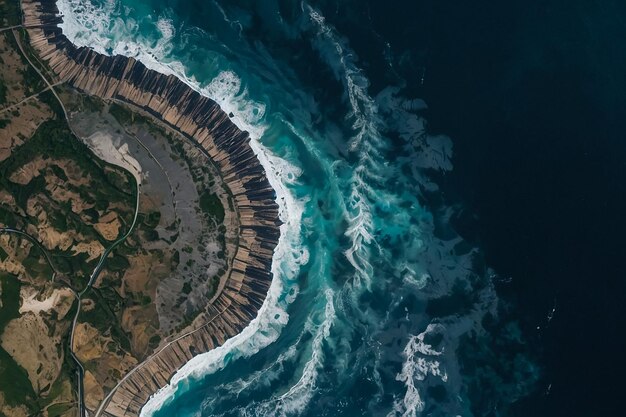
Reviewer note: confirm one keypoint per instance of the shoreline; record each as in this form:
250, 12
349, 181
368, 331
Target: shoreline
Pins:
202, 121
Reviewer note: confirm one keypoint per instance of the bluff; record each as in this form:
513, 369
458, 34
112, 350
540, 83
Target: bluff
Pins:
202, 121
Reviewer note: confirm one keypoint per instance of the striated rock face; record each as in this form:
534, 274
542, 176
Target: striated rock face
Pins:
202, 121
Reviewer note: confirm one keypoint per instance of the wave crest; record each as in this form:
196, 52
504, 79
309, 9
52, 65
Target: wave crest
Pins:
104, 29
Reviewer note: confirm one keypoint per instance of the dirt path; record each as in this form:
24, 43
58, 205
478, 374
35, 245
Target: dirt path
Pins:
27, 98
94, 275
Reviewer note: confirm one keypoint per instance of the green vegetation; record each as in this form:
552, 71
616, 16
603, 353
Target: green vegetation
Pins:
10, 13
10, 297
14, 383
93, 214
91, 104
152, 219
117, 263
151, 235
75, 267
58, 171
58, 220
105, 316
32, 55
154, 341
66, 373
117, 179
125, 249
123, 115
215, 281
212, 206
105, 187
35, 264
56, 410
32, 82
3, 92
54, 141
147, 224
48, 98
7, 217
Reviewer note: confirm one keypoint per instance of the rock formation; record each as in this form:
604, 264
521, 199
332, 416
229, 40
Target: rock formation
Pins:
201, 120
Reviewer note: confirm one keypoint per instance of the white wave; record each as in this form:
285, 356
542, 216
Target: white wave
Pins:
299, 395
83, 21
110, 31
296, 399
102, 29
368, 182
366, 141
263, 377
289, 254
413, 278
417, 366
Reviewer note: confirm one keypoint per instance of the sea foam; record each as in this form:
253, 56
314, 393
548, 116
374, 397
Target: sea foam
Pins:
417, 366
365, 143
295, 399
102, 29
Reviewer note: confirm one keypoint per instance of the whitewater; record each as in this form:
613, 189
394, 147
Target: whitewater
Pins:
359, 318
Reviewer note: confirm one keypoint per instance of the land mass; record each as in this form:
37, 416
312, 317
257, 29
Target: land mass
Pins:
186, 119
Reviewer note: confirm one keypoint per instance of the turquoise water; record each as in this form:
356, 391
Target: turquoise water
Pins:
374, 294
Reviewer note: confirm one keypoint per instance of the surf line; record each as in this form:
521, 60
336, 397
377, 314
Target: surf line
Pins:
200, 120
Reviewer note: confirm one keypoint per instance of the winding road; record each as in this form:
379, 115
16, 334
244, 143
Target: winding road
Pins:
96, 272
37, 243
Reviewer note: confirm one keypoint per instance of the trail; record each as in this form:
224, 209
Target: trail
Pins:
82, 412
37, 243
106, 400
27, 98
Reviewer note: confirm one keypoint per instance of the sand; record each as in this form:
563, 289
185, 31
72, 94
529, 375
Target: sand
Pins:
105, 146
31, 304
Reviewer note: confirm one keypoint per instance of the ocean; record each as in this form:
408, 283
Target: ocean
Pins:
442, 170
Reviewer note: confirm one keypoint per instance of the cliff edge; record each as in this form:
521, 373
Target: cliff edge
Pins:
202, 121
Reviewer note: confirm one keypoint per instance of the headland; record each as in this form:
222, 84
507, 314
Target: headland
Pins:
201, 121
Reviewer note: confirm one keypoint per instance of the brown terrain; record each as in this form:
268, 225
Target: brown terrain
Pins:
185, 272
74, 209
119, 324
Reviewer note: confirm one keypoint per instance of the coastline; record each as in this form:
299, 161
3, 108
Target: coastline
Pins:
202, 121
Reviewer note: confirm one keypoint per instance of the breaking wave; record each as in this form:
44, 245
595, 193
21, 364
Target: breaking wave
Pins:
364, 144
226, 90
373, 294
416, 367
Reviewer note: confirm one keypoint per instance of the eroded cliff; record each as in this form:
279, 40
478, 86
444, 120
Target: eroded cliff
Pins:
202, 121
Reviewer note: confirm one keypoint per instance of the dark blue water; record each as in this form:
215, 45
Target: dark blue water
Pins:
533, 94
451, 179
